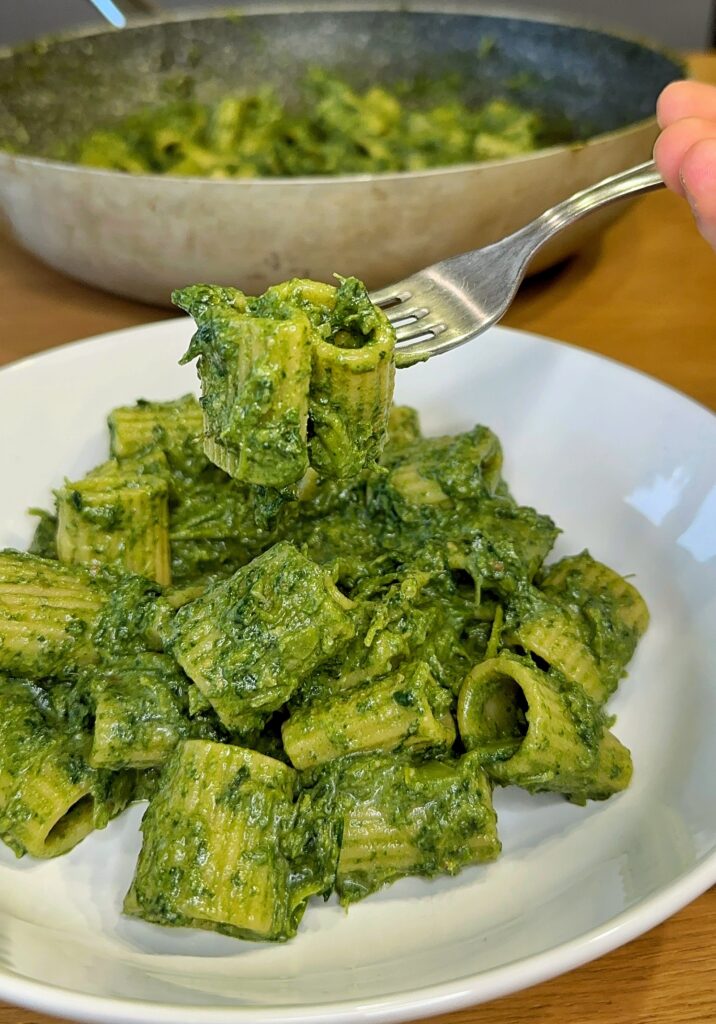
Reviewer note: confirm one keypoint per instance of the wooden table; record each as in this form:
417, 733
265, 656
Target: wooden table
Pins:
645, 294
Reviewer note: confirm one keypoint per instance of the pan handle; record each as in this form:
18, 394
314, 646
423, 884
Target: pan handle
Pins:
119, 12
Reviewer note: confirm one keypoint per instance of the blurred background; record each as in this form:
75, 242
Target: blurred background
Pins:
688, 24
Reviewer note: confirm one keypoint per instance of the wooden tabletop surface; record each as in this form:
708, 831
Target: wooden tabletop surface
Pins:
644, 294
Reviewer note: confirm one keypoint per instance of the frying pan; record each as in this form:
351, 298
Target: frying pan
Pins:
143, 235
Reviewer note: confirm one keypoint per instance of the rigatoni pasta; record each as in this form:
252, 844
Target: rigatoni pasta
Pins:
313, 639
609, 612
403, 711
536, 730
250, 641
302, 374
214, 854
166, 426
139, 708
397, 816
50, 797
116, 519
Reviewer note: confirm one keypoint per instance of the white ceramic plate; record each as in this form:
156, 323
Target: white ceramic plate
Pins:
625, 466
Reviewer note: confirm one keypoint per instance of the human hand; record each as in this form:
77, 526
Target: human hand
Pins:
685, 151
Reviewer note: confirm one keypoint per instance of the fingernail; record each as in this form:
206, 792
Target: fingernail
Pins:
689, 197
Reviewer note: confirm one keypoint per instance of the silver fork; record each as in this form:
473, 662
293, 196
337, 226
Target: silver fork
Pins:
451, 302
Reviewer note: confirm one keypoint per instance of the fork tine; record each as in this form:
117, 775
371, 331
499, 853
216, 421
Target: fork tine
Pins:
419, 349
389, 297
418, 331
399, 315
398, 291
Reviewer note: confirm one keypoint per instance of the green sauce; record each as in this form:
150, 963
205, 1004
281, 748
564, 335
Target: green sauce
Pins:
352, 648
334, 129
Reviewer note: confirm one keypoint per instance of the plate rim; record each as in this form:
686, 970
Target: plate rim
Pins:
498, 328
468, 990
446, 997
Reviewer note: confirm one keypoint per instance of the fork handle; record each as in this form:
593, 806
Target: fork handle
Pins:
642, 178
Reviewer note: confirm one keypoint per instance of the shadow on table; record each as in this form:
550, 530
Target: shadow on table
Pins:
542, 291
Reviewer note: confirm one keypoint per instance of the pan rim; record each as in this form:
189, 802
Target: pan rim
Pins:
277, 7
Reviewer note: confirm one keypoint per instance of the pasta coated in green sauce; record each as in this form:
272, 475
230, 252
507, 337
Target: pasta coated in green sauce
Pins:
334, 129
312, 638
302, 375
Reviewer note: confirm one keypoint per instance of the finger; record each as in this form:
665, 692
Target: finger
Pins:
675, 142
698, 176
686, 99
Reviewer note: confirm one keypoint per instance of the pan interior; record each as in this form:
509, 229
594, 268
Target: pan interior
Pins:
62, 89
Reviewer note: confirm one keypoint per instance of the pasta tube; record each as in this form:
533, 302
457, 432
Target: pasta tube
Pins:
429, 476
352, 379
116, 519
138, 710
50, 798
47, 612
52, 806
404, 710
212, 854
249, 641
609, 612
401, 817
534, 731
169, 426
551, 634
56, 618
255, 374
